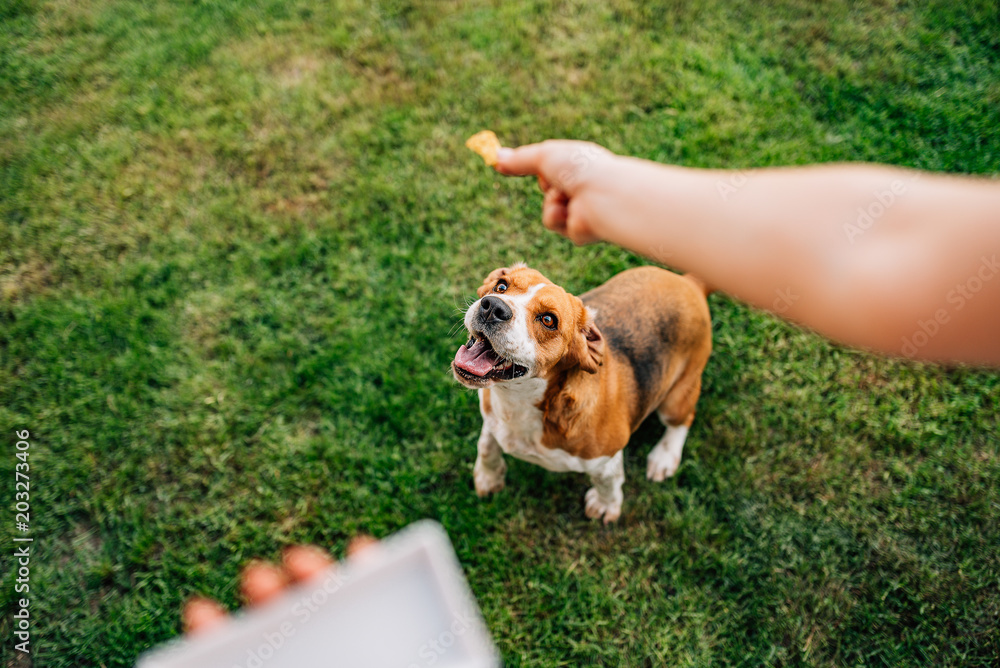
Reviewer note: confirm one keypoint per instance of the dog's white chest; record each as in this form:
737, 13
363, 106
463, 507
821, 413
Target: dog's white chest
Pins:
517, 425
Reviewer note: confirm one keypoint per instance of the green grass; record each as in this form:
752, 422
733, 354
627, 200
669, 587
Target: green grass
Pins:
235, 238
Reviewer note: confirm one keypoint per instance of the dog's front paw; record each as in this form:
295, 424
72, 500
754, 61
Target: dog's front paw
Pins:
488, 481
597, 507
662, 464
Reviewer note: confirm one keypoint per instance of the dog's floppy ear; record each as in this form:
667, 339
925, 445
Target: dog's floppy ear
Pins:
590, 344
491, 280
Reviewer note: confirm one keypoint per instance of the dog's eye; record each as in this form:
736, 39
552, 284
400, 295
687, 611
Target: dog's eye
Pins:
501, 286
549, 320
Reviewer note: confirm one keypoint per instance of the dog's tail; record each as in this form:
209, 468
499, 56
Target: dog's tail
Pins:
705, 288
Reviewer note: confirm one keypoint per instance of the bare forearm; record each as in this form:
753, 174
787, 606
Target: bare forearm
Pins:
860, 253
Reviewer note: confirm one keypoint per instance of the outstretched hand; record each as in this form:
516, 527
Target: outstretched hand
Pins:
570, 173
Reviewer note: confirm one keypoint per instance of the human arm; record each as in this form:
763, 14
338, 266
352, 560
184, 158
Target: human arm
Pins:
797, 240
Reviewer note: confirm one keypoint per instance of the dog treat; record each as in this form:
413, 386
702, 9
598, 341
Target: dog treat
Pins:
486, 144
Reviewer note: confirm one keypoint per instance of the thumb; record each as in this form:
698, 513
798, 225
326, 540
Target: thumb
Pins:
522, 161
563, 163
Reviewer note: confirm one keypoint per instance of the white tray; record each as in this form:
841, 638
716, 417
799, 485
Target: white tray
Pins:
404, 604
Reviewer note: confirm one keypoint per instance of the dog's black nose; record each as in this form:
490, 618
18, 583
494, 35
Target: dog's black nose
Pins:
495, 309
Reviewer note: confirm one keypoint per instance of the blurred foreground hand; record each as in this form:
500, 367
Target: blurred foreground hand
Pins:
263, 581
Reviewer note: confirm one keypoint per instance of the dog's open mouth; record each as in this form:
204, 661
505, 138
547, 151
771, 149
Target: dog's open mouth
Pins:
477, 362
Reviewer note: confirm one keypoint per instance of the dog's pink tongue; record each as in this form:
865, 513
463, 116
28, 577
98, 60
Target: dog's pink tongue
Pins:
478, 359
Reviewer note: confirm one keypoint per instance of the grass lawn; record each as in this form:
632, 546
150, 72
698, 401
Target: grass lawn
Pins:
236, 240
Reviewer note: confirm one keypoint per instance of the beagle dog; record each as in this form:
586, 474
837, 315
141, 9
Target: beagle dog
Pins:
564, 381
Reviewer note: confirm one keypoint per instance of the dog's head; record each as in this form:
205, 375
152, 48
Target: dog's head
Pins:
523, 325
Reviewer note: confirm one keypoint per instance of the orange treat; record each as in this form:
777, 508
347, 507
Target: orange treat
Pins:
486, 144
